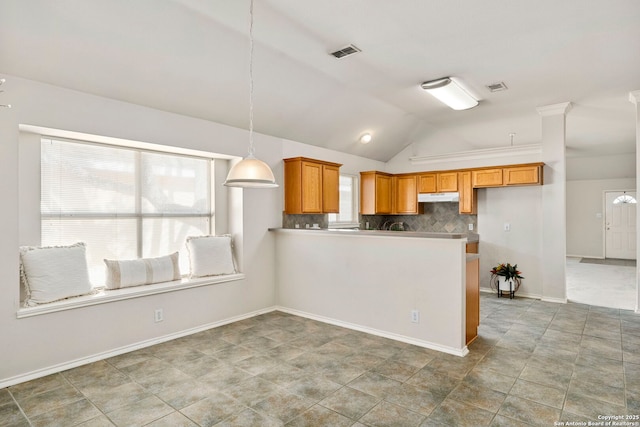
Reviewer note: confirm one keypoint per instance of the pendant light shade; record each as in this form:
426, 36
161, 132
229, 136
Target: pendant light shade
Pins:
251, 172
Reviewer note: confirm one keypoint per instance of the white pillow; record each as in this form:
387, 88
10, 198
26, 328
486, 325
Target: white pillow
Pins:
210, 255
54, 272
136, 272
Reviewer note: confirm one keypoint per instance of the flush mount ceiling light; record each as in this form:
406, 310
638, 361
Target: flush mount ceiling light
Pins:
251, 172
365, 138
449, 92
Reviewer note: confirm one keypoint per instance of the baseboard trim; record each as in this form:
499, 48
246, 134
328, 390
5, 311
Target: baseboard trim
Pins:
7, 382
554, 300
397, 337
519, 294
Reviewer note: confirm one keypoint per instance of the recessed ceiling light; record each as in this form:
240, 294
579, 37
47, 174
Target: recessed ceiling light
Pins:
446, 90
365, 138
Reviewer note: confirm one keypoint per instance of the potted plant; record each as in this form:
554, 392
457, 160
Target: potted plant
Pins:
506, 277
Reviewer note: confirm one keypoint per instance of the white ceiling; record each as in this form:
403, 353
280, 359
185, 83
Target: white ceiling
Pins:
191, 57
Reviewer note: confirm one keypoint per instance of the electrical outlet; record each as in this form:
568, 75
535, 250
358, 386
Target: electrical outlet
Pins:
159, 315
415, 316
507, 226
470, 227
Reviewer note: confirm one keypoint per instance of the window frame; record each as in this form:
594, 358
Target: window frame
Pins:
138, 215
355, 193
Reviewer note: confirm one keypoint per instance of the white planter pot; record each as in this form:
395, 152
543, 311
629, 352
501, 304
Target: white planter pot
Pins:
506, 285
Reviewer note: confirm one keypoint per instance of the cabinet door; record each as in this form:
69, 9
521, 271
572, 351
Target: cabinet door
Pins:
384, 192
468, 194
427, 183
406, 195
311, 187
292, 187
330, 189
487, 177
472, 293
447, 181
523, 175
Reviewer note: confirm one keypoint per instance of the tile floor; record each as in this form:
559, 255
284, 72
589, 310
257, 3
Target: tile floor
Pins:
534, 363
602, 285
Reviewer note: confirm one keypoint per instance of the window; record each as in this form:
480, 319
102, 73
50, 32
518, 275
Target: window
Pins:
348, 215
124, 203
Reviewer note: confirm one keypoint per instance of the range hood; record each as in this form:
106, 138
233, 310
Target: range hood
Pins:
438, 197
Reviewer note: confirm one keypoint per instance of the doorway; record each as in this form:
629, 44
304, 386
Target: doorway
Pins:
620, 224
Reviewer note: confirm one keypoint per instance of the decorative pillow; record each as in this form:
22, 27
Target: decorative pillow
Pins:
54, 272
210, 255
144, 271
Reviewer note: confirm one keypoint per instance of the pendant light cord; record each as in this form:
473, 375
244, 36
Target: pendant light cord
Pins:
251, 147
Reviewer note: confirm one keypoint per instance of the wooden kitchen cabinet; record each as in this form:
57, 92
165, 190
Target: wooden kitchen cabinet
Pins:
447, 182
311, 186
440, 182
523, 175
406, 194
427, 183
472, 293
376, 193
468, 195
487, 177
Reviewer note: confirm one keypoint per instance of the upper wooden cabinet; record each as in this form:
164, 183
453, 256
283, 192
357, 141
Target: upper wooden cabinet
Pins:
523, 175
487, 177
406, 194
440, 182
468, 195
428, 183
447, 181
311, 186
376, 193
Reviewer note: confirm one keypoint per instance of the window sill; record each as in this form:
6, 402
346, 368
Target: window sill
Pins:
104, 296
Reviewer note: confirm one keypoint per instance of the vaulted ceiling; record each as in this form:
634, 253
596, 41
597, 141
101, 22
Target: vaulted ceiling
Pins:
191, 57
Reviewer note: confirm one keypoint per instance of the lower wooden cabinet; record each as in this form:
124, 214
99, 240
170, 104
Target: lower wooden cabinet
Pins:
472, 293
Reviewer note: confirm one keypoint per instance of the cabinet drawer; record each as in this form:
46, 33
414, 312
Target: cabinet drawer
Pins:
487, 177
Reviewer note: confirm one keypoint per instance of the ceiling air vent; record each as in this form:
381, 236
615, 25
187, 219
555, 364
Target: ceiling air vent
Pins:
497, 87
345, 51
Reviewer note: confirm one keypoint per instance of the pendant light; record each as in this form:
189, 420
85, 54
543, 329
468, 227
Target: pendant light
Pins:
251, 172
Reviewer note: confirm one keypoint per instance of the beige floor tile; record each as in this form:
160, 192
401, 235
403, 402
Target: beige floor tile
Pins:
320, 416
453, 413
10, 415
529, 412
213, 409
539, 393
387, 414
283, 406
350, 402
588, 407
67, 415
140, 413
481, 397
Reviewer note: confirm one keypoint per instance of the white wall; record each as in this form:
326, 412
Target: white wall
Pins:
585, 200
38, 345
33, 345
373, 282
521, 208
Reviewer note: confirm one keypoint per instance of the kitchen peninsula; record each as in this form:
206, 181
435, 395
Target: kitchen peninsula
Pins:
407, 286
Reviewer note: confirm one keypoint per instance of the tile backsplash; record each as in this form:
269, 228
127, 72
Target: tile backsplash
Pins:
438, 217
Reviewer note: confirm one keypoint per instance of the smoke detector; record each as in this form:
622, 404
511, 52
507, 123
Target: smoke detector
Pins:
345, 51
497, 87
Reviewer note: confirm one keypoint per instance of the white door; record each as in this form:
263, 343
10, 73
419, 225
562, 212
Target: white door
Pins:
620, 224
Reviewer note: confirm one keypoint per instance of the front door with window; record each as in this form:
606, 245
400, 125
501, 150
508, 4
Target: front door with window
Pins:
620, 224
